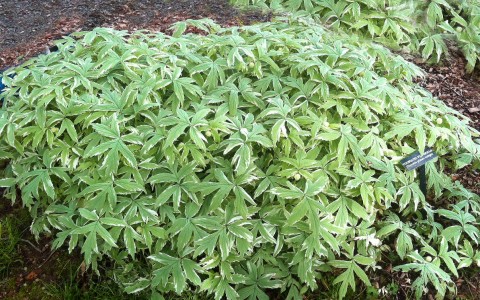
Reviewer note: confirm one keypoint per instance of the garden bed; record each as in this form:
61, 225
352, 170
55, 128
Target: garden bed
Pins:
461, 91
32, 26
29, 27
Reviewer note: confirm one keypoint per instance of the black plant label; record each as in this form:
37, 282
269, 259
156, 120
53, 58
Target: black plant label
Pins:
416, 159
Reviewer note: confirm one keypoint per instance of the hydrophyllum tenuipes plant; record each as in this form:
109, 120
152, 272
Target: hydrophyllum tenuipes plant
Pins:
253, 158
420, 26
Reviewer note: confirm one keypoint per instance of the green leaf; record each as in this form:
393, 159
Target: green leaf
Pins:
89, 215
7, 182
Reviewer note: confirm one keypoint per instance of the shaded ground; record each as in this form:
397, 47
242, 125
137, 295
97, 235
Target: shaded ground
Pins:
28, 27
461, 91
27, 265
30, 270
452, 84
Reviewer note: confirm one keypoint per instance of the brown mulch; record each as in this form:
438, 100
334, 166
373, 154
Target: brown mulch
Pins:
469, 179
29, 27
451, 83
460, 90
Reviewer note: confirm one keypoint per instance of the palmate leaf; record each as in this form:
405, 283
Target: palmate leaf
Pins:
183, 183
353, 270
222, 287
216, 72
268, 181
224, 235
91, 230
187, 228
256, 281
311, 208
305, 164
345, 208
248, 135
114, 146
404, 242
182, 85
429, 273
454, 232
179, 269
184, 121
448, 257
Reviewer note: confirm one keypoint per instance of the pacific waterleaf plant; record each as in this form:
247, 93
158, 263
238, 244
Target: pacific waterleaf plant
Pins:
247, 159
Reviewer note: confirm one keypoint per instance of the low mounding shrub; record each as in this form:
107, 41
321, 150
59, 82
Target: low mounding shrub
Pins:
253, 158
420, 26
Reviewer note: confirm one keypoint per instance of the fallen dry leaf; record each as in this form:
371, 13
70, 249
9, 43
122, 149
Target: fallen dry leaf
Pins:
32, 276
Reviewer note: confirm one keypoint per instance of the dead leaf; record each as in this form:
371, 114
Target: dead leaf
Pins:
32, 276
83, 268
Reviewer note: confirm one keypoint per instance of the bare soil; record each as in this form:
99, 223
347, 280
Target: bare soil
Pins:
458, 89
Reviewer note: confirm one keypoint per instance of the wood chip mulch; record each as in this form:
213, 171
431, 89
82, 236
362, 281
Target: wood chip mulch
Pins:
29, 27
451, 83
460, 90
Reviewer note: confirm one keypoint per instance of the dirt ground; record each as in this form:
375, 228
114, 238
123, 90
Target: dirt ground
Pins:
26, 264
28, 27
461, 91
450, 82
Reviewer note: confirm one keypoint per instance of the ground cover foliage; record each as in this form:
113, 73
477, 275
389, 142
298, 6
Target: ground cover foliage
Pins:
422, 27
245, 160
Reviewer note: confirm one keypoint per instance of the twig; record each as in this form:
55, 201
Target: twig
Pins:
48, 258
469, 286
469, 283
361, 292
28, 242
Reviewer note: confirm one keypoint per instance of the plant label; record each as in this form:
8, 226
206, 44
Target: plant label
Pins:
2, 86
417, 160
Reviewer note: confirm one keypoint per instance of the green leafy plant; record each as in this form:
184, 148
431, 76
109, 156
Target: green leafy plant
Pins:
246, 159
424, 27
430, 273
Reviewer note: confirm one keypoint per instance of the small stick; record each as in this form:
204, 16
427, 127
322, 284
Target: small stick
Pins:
48, 258
28, 242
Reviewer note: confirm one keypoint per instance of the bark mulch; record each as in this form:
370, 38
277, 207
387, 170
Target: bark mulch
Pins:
460, 90
29, 27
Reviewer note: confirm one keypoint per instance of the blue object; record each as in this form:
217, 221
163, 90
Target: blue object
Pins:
1, 85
